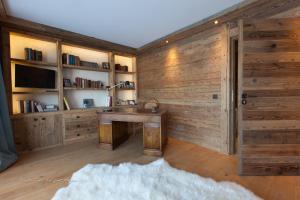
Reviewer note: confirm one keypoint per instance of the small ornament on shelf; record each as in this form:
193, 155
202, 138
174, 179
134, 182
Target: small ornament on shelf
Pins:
106, 65
126, 85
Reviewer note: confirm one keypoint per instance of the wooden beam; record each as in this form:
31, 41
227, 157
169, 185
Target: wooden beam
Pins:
3, 13
245, 10
64, 35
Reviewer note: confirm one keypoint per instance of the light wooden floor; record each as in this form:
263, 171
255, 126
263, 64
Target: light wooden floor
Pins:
37, 175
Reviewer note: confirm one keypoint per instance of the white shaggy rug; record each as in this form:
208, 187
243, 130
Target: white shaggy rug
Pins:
155, 181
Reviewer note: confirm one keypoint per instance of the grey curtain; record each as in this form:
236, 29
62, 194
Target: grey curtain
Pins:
8, 153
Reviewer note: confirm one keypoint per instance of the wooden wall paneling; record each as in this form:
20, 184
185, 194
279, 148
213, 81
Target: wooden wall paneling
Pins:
270, 120
189, 86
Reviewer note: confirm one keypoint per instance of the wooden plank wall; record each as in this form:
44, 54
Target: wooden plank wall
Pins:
270, 135
184, 77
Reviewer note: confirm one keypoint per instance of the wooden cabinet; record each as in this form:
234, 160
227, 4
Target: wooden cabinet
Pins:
80, 125
38, 131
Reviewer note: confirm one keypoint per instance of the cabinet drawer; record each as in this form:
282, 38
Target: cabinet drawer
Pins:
80, 125
81, 133
80, 117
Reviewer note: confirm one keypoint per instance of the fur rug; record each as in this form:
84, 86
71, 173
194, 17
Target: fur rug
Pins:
155, 181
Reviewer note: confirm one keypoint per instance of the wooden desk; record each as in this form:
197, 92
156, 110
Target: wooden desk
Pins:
113, 129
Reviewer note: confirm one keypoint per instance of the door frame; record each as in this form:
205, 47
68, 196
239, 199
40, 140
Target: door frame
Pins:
233, 85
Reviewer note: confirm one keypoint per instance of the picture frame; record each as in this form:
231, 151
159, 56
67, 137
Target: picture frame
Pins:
67, 82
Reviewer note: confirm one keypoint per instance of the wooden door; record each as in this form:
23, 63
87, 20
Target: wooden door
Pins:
269, 92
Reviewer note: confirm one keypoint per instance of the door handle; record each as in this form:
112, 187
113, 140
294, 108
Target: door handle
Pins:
244, 101
244, 98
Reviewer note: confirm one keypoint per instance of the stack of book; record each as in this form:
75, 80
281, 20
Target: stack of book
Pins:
31, 54
50, 108
70, 59
86, 83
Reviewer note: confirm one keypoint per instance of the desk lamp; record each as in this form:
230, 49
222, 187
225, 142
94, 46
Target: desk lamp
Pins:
108, 107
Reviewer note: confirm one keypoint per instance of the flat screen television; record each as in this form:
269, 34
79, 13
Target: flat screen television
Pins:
32, 77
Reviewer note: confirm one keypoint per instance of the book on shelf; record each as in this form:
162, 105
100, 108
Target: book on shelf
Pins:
66, 104
31, 106
86, 83
69, 59
33, 55
39, 107
28, 106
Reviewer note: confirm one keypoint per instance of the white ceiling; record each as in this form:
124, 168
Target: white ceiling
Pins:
129, 22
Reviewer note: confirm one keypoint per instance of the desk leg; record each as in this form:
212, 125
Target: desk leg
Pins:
152, 139
105, 135
112, 134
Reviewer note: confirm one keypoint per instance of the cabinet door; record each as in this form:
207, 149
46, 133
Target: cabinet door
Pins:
50, 130
33, 132
20, 131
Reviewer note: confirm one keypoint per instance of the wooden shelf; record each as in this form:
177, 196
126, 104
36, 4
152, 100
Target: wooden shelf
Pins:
125, 88
34, 63
123, 72
85, 68
75, 88
36, 92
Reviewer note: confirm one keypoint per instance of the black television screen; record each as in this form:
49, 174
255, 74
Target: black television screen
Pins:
32, 77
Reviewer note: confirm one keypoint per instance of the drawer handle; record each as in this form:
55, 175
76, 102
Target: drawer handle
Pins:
78, 126
78, 134
77, 117
43, 118
35, 119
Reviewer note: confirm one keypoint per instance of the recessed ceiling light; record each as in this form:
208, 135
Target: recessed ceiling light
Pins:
216, 21
167, 41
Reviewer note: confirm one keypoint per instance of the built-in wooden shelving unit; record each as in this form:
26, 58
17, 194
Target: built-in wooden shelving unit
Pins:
52, 50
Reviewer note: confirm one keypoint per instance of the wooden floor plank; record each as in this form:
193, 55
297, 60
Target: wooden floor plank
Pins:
37, 175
